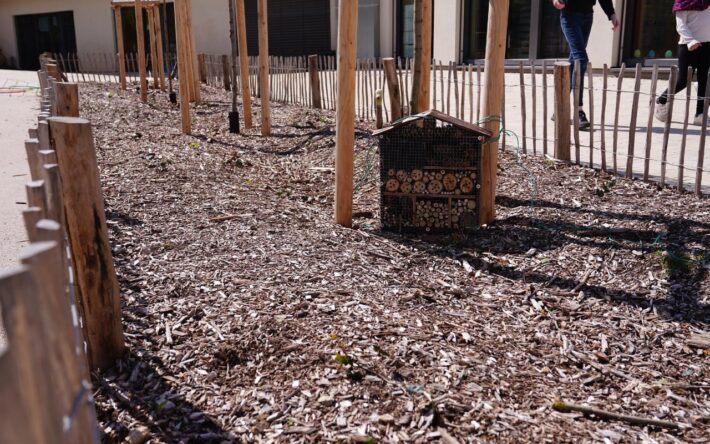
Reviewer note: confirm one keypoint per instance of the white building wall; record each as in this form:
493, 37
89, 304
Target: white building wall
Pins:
447, 30
93, 22
604, 44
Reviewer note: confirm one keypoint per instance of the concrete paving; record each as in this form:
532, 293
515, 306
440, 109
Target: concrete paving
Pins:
19, 106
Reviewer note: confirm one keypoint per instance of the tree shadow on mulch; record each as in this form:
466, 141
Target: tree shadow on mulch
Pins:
521, 235
136, 386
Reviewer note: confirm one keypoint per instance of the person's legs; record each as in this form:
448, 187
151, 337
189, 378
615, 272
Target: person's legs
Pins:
703, 65
684, 59
576, 28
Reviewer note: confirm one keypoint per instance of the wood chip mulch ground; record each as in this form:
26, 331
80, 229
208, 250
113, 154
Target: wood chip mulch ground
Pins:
251, 317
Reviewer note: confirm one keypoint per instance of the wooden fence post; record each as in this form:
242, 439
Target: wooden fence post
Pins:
393, 88
88, 236
262, 12
66, 99
345, 119
562, 117
315, 81
244, 63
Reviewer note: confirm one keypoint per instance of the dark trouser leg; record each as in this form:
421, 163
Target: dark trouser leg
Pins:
685, 59
577, 27
703, 60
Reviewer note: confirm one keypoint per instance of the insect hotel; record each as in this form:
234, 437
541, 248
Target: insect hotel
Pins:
429, 172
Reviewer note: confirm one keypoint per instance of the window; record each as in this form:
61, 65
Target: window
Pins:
649, 31
476, 28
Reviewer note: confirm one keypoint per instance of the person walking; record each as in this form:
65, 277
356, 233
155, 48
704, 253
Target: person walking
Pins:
576, 17
693, 25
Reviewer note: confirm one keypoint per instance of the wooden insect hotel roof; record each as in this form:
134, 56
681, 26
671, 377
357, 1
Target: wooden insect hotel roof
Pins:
437, 115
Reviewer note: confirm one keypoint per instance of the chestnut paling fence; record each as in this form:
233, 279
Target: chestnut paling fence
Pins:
624, 138
60, 309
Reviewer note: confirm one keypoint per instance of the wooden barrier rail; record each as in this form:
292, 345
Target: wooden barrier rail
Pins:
61, 317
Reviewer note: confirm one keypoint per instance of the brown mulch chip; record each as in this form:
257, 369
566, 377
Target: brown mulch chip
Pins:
251, 317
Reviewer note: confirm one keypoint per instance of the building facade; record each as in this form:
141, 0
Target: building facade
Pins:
385, 29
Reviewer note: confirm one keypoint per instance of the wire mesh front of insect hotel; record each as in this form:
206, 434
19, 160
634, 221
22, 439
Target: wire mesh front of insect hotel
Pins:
429, 174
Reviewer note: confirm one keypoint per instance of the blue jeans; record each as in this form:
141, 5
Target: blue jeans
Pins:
576, 26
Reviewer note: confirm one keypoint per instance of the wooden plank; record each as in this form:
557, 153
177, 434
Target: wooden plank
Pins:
575, 111
393, 88
88, 235
533, 76
615, 140
55, 203
345, 119
141, 50
667, 125
495, 84
562, 110
703, 137
25, 374
523, 114
590, 88
37, 196
66, 99
684, 139
69, 375
649, 125
421, 81
605, 85
32, 150
184, 67
470, 93
448, 89
632, 124
456, 90
544, 107
478, 92
31, 216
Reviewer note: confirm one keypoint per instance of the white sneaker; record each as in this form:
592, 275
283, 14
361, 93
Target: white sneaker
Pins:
699, 120
661, 112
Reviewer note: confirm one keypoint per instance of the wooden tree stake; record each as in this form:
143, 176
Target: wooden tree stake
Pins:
421, 80
345, 119
244, 63
141, 50
264, 67
493, 104
121, 48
